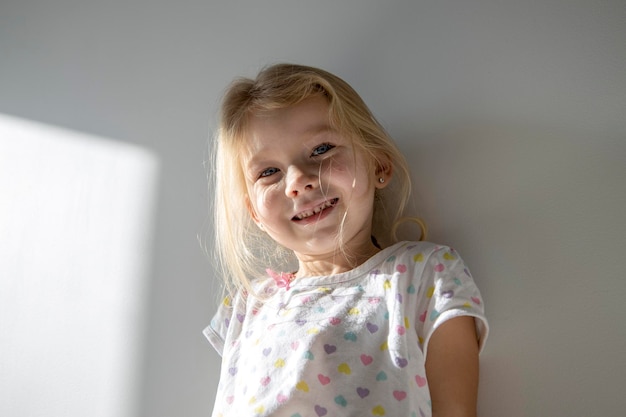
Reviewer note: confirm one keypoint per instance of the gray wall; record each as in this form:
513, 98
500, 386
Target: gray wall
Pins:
511, 114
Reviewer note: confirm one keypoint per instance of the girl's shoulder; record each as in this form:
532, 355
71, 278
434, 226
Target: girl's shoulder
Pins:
417, 249
419, 258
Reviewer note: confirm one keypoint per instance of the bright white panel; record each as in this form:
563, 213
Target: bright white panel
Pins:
76, 214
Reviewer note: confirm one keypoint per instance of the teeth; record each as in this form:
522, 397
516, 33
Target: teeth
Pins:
316, 210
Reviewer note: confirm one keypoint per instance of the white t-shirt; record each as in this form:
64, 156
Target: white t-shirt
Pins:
351, 344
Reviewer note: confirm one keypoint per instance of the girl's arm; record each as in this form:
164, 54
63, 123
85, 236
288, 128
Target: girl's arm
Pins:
452, 368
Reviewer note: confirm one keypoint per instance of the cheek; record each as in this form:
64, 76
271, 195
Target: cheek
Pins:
264, 199
349, 173
338, 169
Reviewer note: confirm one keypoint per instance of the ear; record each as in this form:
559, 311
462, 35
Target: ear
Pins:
384, 170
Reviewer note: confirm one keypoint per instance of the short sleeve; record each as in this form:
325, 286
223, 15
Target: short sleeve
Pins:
447, 290
216, 331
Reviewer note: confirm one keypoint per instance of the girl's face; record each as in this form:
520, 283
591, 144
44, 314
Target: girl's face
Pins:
306, 182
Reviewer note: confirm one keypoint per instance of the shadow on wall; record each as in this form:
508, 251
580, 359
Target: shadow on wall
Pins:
76, 218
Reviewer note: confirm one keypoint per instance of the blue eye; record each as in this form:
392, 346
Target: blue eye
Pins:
268, 172
322, 149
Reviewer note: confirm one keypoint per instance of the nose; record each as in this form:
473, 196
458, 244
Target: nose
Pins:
298, 181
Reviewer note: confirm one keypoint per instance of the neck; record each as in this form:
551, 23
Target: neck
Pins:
335, 262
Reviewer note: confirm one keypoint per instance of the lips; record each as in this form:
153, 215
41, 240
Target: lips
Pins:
317, 210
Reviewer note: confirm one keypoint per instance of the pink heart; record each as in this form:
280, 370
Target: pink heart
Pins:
401, 268
265, 381
324, 380
476, 300
335, 321
399, 395
229, 399
294, 345
439, 268
366, 359
423, 317
401, 330
421, 381
281, 398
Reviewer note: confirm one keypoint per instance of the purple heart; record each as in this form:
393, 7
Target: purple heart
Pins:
232, 371
363, 392
401, 362
372, 327
300, 322
227, 322
240, 317
330, 348
448, 294
320, 411
399, 297
267, 351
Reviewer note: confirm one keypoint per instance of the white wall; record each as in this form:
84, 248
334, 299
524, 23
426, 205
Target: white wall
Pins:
511, 114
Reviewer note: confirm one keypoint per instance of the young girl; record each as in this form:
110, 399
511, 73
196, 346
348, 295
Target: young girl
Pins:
326, 315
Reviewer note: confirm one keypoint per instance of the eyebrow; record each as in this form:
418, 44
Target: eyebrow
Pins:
320, 128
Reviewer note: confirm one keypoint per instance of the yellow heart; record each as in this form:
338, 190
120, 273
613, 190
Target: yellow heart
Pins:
448, 256
344, 369
252, 400
430, 292
354, 311
420, 340
313, 330
279, 363
226, 301
378, 410
259, 410
406, 322
418, 258
302, 386
466, 305
384, 346
387, 284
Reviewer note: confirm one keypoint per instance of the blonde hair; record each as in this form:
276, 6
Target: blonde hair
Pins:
243, 251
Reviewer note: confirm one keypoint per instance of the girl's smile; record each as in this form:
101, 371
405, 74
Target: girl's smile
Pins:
317, 212
308, 187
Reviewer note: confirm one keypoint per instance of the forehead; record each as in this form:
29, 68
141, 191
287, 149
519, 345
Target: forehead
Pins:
298, 123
